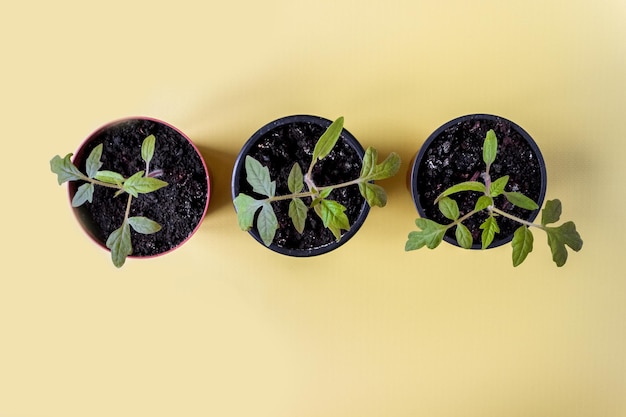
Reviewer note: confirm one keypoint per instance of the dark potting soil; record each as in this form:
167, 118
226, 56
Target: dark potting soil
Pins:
177, 207
285, 145
456, 156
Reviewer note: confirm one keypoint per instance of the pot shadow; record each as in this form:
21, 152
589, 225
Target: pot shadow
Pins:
220, 165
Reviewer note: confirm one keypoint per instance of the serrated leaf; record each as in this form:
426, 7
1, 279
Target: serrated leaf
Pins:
147, 149
497, 186
120, 245
558, 237
490, 228
483, 202
333, 216
83, 194
138, 184
375, 195
371, 170
298, 212
522, 244
110, 177
462, 186
551, 212
65, 169
267, 223
327, 141
490, 148
430, 235
246, 208
295, 182
94, 163
389, 167
520, 200
258, 177
144, 225
463, 236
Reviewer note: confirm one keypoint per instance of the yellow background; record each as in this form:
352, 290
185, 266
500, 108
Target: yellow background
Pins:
222, 326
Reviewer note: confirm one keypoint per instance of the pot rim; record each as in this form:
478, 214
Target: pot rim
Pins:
79, 155
490, 117
239, 168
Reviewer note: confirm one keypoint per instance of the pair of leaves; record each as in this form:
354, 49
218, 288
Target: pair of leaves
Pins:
258, 177
119, 241
561, 236
450, 209
558, 237
267, 223
371, 170
496, 189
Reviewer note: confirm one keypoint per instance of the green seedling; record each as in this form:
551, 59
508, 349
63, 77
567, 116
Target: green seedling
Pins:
142, 182
305, 194
431, 233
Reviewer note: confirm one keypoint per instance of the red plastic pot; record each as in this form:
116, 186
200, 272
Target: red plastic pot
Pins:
179, 207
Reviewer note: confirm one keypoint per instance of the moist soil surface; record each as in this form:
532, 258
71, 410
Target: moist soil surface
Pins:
178, 207
279, 149
456, 155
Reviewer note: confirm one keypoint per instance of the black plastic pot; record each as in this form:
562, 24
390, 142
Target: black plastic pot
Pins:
179, 207
453, 154
278, 145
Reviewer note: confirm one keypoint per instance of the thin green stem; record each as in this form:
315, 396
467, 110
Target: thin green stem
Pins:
514, 218
313, 193
127, 213
101, 183
462, 219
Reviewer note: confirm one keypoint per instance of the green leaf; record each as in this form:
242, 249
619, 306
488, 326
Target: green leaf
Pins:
558, 237
371, 170
490, 148
430, 235
321, 195
258, 177
483, 202
267, 223
295, 182
65, 169
449, 208
375, 195
147, 148
333, 216
551, 212
110, 177
462, 186
463, 236
327, 141
520, 200
120, 245
94, 163
144, 225
298, 212
138, 184
83, 194
246, 207
522, 244
490, 228
325, 192
497, 186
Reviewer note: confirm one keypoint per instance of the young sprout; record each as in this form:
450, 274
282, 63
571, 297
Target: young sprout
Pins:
142, 182
305, 194
431, 233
